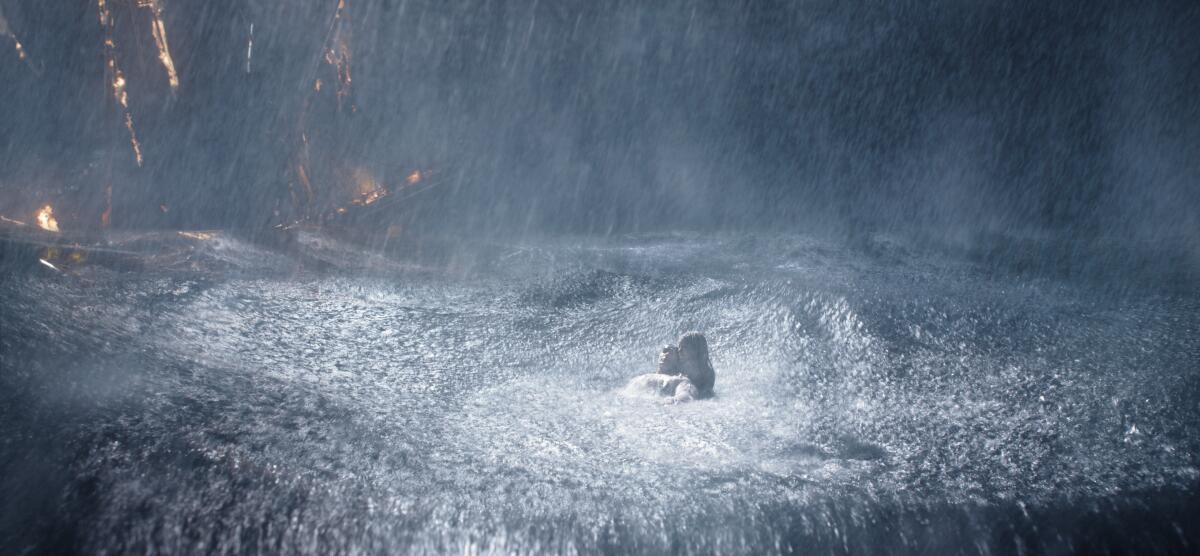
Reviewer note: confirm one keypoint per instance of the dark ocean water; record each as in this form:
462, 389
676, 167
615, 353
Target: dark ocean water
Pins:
880, 400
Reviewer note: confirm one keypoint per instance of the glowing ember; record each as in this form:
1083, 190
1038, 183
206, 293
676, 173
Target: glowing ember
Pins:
118, 85
337, 52
48, 265
107, 214
368, 189
370, 198
414, 177
159, 30
117, 78
133, 140
45, 219
21, 55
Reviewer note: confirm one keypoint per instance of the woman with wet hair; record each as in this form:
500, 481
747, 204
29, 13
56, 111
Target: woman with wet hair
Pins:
695, 363
685, 372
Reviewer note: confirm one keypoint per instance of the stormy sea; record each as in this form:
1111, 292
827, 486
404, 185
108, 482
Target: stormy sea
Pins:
872, 397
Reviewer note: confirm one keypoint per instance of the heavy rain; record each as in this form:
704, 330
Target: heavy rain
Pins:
395, 276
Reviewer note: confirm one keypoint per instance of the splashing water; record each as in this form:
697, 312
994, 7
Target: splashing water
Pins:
866, 403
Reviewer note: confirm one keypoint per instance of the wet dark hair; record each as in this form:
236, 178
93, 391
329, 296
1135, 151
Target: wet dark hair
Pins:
696, 346
694, 342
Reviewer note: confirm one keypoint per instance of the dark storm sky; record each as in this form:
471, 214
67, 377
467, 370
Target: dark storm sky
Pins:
1067, 117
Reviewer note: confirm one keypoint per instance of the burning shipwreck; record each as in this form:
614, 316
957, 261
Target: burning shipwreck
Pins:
127, 185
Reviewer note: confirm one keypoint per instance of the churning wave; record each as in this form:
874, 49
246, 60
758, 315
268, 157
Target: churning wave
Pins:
880, 401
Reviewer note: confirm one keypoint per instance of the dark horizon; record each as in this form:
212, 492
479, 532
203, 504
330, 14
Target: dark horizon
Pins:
1070, 119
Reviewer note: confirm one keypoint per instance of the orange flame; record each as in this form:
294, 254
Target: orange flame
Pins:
133, 140
117, 78
21, 55
337, 52
105, 216
118, 82
159, 31
414, 177
45, 219
368, 189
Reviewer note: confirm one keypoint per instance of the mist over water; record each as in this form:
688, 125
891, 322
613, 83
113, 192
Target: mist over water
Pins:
896, 403
386, 267
944, 119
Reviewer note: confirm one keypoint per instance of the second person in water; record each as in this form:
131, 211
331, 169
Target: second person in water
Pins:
685, 372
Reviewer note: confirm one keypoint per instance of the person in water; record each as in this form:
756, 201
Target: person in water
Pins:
685, 372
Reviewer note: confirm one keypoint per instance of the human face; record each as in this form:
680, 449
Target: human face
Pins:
668, 360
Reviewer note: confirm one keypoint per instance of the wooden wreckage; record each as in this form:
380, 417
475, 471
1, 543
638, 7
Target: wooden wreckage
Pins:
319, 192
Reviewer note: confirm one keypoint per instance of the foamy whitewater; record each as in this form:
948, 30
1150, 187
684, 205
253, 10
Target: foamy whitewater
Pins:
879, 400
